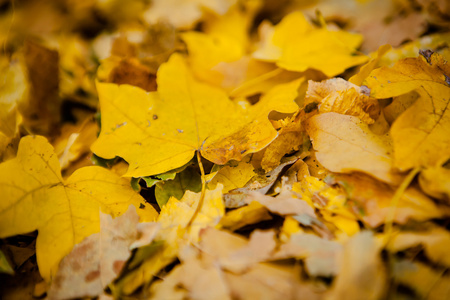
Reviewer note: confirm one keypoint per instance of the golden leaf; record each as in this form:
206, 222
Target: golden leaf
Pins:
421, 135
158, 132
330, 52
65, 212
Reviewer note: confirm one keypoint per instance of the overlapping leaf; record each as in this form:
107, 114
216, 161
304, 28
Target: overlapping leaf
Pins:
157, 132
421, 135
64, 212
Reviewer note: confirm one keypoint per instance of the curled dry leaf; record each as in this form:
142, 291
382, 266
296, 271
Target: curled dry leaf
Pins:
290, 139
340, 96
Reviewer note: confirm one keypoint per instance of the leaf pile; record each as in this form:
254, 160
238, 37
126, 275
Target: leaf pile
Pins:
225, 150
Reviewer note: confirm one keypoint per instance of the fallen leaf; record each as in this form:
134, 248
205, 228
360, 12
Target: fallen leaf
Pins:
290, 139
195, 278
175, 233
399, 105
20, 255
360, 264
286, 203
345, 144
127, 71
340, 96
146, 234
435, 182
234, 253
372, 201
214, 130
427, 282
320, 255
98, 259
207, 51
437, 42
233, 176
260, 183
331, 202
433, 241
257, 134
245, 215
365, 70
268, 281
36, 197
183, 14
420, 135
330, 52
75, 141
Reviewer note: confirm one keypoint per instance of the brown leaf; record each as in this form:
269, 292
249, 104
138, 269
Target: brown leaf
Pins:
98, 259
234, 253
286, 203
320, 254
362, 274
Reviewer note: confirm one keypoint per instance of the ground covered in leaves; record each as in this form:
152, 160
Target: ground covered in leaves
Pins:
225, 149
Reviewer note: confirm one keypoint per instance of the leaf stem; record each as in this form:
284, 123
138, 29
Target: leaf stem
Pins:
396, 199
202, 195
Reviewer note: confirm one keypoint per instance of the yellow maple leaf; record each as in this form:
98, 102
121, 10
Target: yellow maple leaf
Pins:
160, 131
34, 196
295, 45
421, 135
